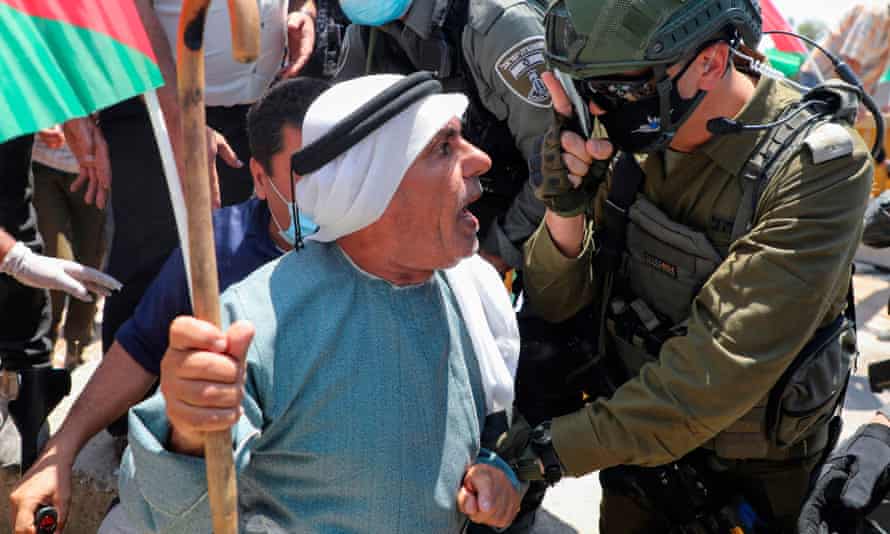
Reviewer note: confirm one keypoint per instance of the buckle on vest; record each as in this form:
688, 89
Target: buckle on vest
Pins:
645, 314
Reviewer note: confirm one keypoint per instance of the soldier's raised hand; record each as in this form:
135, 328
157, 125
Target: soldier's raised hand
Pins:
571, 167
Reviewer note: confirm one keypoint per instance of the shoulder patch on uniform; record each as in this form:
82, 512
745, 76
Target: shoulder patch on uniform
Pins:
520, 68
828, 142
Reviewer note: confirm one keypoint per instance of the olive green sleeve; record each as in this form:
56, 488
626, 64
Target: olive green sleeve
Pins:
779, 283
557, 287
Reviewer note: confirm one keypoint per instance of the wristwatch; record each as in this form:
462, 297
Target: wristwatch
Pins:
541, 442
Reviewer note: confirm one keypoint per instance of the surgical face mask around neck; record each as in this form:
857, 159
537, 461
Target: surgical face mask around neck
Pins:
374, 12
307, 225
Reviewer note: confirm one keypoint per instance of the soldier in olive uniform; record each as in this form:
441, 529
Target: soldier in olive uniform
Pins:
490, 50
716, 250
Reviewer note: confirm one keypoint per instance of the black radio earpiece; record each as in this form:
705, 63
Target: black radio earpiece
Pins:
819, 97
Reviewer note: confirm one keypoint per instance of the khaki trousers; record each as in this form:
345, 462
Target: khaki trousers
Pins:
72, 230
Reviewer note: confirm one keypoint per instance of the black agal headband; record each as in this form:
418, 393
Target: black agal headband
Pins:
364, 121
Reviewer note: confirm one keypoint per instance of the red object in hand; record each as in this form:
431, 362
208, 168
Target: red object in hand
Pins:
46, 520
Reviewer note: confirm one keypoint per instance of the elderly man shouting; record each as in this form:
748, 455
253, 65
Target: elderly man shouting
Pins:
357, 373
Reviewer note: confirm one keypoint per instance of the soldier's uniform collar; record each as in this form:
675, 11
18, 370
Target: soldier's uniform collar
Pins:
731, 151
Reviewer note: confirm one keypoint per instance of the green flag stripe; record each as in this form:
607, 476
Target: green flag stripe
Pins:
51, 71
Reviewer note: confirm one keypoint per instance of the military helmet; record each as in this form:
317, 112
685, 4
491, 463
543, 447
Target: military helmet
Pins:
592, 38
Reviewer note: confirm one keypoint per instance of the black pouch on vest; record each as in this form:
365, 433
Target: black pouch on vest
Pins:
792, 420
807, 395
559, 370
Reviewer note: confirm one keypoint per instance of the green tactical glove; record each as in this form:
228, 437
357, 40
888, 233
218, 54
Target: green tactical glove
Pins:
555, 189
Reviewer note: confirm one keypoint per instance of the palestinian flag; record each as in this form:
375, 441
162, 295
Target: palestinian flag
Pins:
61, 59
773, 20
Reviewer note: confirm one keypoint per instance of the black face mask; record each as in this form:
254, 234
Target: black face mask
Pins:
647, 124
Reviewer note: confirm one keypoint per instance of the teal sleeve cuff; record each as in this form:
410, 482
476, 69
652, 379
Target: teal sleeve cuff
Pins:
160, 488
489, 457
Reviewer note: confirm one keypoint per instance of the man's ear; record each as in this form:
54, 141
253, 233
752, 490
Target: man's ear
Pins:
715, 58
259, 178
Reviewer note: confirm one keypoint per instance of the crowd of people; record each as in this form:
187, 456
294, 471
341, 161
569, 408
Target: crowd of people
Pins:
465, 249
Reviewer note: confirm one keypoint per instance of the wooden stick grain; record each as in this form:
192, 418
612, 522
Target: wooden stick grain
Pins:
221, 480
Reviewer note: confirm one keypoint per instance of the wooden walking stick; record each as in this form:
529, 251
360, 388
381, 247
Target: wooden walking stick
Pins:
244, 15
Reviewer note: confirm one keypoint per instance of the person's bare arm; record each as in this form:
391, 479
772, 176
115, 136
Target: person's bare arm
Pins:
118, 383
301, 16
90, 149
567, 233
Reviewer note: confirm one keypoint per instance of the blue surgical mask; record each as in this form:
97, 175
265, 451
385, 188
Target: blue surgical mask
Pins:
307, 225
374, 12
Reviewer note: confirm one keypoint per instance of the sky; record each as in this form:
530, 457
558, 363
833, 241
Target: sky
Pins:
827, 11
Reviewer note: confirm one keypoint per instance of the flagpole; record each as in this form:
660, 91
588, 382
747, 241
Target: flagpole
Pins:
244, 17
174, 186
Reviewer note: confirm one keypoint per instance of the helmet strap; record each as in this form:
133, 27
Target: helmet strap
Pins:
665, 86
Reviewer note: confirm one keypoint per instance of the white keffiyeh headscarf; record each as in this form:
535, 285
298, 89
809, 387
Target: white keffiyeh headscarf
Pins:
353, 190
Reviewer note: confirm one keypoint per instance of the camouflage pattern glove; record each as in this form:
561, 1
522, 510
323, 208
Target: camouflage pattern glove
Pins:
555, 189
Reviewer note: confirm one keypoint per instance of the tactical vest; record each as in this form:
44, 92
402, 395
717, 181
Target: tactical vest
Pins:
442, 54
653, 267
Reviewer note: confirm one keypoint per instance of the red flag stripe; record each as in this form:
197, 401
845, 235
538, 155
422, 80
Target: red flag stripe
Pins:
116, 18
773, 20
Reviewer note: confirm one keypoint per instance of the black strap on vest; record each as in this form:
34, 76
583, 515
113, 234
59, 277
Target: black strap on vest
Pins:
364, 121
627, 178
766, 157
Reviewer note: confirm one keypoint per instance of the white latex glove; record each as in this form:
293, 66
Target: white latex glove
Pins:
45, 272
